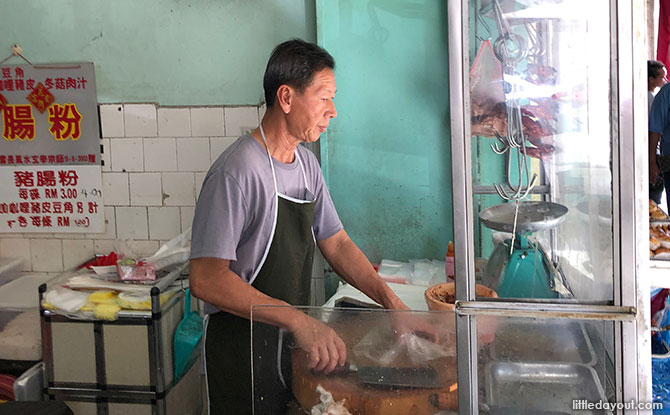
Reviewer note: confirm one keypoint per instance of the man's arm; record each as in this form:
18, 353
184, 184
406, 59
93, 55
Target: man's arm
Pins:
654, 171
352, 265
212, 281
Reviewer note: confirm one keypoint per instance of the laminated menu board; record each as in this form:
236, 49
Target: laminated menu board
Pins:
50, 174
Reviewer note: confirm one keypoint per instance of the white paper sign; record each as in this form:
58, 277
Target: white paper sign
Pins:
59, 199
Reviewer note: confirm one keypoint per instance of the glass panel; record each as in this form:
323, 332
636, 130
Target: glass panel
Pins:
544, 366
388, 369
541, 135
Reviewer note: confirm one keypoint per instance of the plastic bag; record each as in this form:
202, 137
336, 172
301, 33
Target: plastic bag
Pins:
328, 405
486, 81
175, 251
66, 299
416, 348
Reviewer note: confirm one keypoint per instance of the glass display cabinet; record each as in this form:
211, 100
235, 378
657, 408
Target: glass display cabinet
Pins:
524, 365
548, 124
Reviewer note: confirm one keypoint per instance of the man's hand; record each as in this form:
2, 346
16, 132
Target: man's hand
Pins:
325, 348
407, 322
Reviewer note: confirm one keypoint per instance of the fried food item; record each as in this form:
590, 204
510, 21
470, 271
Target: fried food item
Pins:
654, 243
655, 212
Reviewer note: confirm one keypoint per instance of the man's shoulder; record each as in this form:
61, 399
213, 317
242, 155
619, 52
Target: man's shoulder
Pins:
308, 158
663, 92
240, 159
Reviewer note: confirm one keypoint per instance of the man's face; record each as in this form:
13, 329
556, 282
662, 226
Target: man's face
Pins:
312, 109
661, 79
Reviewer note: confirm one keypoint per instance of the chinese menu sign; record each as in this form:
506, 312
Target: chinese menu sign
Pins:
50, 175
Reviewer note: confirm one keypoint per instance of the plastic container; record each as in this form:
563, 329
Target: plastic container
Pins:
449, 259
28, 387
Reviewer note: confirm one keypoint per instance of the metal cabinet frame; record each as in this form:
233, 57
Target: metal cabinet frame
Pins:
161, 379
630, 194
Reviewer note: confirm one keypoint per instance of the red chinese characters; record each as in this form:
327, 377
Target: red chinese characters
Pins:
41, 98
46, 178
68, 177
19, 122
24, 179
65, 122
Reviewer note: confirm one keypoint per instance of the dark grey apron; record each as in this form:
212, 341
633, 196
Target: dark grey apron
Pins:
286, 275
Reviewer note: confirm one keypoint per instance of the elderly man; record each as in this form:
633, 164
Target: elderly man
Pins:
262, 207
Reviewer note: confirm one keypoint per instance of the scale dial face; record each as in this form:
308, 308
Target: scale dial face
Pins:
532, 216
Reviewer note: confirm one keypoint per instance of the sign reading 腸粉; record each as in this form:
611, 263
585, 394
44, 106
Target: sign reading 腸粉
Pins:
50, 174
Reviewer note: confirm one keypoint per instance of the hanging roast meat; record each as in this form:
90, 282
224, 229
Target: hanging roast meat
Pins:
487, 122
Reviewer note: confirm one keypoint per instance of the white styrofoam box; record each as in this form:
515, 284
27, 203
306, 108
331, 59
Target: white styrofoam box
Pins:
103, 246
207, 122
143, 248
240, 120
127, 154
164, 222
199, 179
218, 144
110, 226
174, 122
22, 293
140, 120
106, 153
17, 247
131, 223
187, 213
115, 190
193, 154
160, 154
76, 252
111, 120
145, 189
46, 255
261, 111
179, 189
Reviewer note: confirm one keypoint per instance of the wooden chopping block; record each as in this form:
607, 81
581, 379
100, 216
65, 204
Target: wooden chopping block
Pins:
363, 399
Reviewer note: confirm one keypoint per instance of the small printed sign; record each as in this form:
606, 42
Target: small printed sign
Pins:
51, 199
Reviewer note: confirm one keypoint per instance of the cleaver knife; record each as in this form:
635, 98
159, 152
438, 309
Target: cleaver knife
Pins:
403, 377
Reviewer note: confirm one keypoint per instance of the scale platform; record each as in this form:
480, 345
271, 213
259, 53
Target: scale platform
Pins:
519, 267
532, 216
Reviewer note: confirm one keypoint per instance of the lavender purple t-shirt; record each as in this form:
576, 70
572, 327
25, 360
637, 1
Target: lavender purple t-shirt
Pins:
235, 210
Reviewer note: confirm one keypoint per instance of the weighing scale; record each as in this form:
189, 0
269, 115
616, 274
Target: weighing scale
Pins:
519, 267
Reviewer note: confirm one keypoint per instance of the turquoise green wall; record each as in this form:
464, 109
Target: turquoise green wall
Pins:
387, 154
173, 52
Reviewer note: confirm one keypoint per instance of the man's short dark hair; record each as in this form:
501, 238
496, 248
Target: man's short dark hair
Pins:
654, 69
294, 63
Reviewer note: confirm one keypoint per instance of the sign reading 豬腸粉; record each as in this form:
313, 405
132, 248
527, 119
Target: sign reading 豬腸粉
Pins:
50, 174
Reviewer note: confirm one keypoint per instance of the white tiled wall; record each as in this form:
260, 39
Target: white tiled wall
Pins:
156, 159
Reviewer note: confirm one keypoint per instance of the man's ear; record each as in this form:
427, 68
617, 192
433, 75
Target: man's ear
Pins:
285, 98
